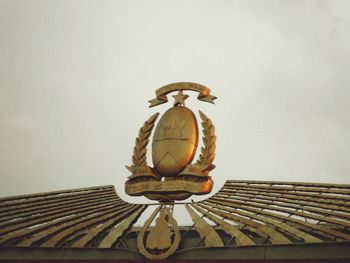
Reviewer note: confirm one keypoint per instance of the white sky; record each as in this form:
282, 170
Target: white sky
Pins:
75, 78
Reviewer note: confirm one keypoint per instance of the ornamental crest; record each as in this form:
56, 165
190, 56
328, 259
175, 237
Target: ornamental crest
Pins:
173, 175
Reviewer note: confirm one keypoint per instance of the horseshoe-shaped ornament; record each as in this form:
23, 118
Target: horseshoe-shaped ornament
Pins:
159, 249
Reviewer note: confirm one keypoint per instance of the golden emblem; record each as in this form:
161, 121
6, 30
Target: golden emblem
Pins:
173, 176
175, 140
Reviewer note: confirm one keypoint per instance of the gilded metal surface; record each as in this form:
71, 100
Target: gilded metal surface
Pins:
277, 225
158, 246
204, 92
110, 226
242, 239
169, 187
205, 163
249, 212
174, 145
139, 168
206, 232
159, 236
256, 226
70, 218
180, 99
118, 231
64, 230
242, 213
175, 141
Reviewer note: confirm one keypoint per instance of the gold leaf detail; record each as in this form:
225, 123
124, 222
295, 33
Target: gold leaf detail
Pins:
139, 155
208, 151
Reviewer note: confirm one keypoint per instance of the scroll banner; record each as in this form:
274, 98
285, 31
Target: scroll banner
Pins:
168, 187
204, 92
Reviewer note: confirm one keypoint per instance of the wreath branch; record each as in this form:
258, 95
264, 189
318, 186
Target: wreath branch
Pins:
139, 154
208, 151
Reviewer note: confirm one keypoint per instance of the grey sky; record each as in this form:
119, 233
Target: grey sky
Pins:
75, 78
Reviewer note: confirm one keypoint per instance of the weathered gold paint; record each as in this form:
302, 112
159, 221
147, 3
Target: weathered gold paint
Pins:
175, 141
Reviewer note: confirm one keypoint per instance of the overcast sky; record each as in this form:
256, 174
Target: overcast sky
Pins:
75, 78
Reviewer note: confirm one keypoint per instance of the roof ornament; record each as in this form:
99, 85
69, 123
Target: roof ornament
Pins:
173, 176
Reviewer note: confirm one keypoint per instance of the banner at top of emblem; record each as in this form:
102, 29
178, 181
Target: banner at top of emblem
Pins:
204, 92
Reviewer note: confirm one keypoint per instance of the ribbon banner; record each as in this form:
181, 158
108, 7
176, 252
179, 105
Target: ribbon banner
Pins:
204, 92
141, 188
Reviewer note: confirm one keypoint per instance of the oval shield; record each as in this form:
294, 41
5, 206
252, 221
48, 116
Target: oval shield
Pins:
175, 141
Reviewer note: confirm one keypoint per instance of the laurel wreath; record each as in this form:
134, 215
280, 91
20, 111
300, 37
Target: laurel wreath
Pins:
208, 151
140, 149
